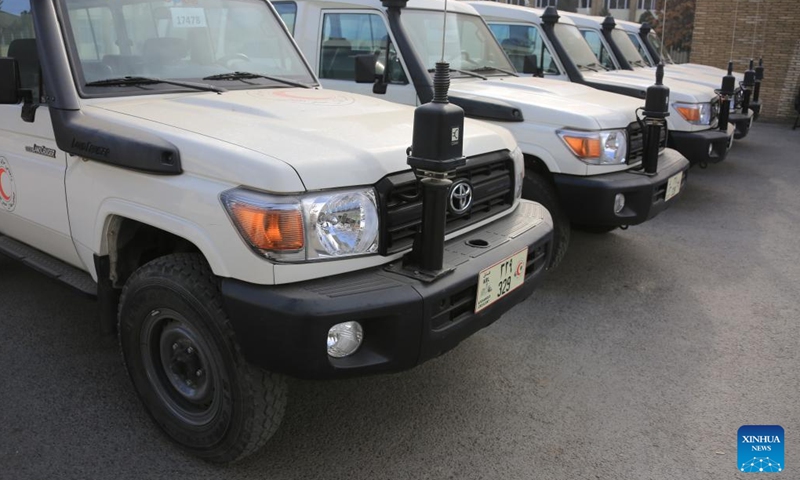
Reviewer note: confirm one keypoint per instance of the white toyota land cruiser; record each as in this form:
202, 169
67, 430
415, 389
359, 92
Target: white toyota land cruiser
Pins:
609, 41
649, 46
693, 125
584, 148
239, 225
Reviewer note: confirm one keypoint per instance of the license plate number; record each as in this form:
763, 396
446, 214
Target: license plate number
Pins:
501, 279
673, 186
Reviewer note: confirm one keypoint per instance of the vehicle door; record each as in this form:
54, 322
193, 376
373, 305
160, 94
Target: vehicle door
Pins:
33, 206
344, 34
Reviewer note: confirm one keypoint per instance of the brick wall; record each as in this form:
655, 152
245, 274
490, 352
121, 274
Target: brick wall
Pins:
763, 28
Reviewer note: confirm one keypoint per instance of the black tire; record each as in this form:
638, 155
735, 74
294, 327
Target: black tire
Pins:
182, 356
599, 229
538, 189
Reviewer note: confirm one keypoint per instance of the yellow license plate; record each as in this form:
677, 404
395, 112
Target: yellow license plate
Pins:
501, 279
673, 186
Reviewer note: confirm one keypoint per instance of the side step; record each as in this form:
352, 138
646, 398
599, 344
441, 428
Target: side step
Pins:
50, 266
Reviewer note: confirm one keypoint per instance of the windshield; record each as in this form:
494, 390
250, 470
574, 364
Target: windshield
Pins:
640, 48
656, 42
627, 48
181, 40
469, 45
576, 47
519, 41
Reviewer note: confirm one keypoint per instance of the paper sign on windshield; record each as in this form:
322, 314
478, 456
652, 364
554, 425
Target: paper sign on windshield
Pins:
188, 17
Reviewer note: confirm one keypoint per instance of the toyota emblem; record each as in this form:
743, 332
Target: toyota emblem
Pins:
460, 197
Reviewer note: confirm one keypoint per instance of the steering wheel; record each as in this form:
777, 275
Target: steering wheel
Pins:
227, 59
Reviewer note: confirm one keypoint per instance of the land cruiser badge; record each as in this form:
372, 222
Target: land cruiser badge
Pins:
8, 192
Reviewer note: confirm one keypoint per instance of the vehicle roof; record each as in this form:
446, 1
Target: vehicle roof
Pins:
438, 5
628, 25
582, 20
512, 12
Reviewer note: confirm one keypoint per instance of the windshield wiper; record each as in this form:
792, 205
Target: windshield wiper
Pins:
494, 69
638, 63
588, 67
247, 75
125, 81
464, 72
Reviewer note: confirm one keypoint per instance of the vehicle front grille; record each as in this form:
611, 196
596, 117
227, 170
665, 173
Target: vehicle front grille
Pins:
400, 199
636, 143
715, 107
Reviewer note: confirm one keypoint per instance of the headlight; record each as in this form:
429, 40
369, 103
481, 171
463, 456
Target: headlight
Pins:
695, 113
308, 227
606, 147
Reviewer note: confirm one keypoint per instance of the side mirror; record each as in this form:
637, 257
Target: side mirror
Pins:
531, 66
365, 68
9, 81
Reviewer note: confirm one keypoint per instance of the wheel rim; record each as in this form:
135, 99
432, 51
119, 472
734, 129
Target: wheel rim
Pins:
181, 367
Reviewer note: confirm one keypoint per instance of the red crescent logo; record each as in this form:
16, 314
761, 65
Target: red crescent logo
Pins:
3, 194
520, 266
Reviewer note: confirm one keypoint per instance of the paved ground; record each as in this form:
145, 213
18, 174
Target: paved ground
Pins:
639, 359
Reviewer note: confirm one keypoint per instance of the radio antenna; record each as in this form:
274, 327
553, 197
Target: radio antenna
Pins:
444, 28
755, 30
663, 29
733, 37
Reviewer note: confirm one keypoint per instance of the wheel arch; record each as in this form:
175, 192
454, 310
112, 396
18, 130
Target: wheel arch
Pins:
120, 225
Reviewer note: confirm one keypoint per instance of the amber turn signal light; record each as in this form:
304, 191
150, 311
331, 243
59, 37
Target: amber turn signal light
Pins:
270, 229
584, 146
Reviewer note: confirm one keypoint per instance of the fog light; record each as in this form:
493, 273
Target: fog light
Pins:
344, 339
619, 203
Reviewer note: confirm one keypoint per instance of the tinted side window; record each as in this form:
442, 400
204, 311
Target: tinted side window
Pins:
521, 40
288, 13
598, 48
18, 40
346, 35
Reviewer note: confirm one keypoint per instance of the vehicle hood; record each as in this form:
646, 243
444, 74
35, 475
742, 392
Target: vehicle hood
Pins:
694, 68
680, 91
330, 138
554, 102
670, 74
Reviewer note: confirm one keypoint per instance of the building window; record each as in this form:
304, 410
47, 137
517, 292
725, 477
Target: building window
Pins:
546, 3
616, 4
585, 4
647, 4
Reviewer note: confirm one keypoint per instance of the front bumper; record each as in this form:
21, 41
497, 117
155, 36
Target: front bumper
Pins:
590, 200
742, 123
284, 328
707, 146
